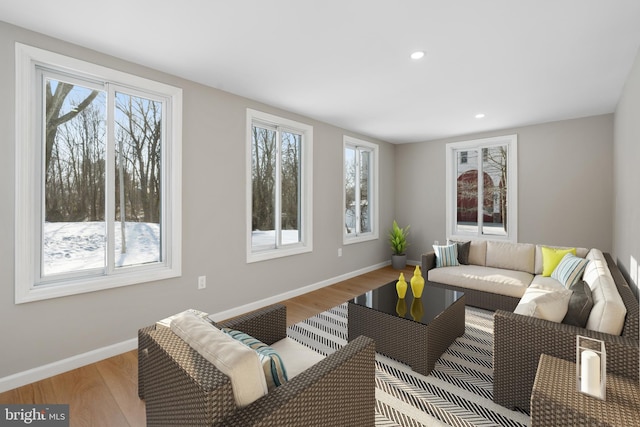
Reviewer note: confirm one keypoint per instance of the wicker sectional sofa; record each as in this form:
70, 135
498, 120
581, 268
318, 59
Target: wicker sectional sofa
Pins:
519, 340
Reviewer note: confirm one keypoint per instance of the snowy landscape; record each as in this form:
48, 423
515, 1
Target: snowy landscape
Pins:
72, 246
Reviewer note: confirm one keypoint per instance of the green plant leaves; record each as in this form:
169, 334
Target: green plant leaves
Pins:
398, 238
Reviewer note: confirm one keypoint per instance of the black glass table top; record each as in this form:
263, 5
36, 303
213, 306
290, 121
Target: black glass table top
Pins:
433, 302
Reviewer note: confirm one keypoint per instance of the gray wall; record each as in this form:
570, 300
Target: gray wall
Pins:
573, 182
43, 332
626, 224
565, 178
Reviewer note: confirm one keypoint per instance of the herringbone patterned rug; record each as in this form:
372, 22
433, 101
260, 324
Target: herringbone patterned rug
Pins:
458, 392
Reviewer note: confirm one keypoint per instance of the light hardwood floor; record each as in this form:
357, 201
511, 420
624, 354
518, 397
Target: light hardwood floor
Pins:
106, 393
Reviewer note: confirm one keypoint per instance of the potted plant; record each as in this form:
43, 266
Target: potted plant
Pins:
398, 241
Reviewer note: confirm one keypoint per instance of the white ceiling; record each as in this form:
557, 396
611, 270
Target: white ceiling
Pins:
346, 62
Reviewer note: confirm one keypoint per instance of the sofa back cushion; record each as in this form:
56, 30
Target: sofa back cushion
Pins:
608, 312
478, 252
231, 357
511, 256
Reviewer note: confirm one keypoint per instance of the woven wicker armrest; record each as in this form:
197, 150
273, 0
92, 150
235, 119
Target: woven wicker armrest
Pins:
520, 340
339, 390
268, 324
428, 263
143, 345
180, 386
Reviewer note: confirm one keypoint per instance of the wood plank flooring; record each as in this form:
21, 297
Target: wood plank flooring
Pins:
106, 393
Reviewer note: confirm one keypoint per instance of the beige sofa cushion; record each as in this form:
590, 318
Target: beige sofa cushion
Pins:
581, 252
512, 256
231, 357
478, 252
608, 312
295, 356
488, 279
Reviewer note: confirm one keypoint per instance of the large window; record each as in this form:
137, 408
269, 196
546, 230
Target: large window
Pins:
98, 177
482, 189
360, 214
279, 201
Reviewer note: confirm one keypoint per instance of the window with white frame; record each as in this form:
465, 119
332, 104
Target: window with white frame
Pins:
279, 168
360, 213
482, 189
98, 177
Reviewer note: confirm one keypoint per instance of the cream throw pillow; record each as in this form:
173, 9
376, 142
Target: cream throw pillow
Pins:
544, 304
231, 357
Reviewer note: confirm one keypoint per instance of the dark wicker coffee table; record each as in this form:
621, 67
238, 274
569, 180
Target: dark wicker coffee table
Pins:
415, 332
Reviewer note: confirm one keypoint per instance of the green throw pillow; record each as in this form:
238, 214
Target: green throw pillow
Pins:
271, 361
551, 257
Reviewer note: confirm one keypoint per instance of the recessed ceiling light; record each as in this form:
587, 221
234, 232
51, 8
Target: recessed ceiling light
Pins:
479, 115
417, 55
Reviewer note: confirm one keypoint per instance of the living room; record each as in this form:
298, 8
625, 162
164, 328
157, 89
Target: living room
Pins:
577, 185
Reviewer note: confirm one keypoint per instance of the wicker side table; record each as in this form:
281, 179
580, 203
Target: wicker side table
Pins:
556, 402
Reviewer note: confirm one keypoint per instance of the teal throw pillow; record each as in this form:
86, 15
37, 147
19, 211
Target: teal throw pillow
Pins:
569, 270
271, 361
446, 256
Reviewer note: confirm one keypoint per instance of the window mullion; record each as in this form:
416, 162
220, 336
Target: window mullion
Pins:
480, 190
110, 181
278, 190
41, 195
357, 192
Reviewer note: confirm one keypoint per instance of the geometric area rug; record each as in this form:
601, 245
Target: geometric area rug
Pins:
458, 392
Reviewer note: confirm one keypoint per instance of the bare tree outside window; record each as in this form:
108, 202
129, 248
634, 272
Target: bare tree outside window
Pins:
359, 189
490, 216
138, 175
75, 177
275, 187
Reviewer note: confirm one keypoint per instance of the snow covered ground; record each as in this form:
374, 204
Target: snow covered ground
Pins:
72, 246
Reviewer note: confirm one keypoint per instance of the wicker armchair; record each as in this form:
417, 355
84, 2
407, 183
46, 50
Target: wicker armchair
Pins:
180, 387
520, 340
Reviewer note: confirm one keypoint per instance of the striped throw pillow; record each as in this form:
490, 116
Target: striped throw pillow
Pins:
271, 361
446, 256
570, 269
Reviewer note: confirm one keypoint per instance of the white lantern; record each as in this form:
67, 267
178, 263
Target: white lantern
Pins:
591, 367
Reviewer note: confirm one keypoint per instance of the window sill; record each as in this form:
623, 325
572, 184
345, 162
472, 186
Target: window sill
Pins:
277, 253
83, 285
359, 239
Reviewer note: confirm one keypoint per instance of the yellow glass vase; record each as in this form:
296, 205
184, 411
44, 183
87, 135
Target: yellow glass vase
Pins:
417, 283
401, 307
401, 286
417, 310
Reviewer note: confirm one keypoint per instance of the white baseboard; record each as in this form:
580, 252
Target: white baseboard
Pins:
41, 372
